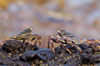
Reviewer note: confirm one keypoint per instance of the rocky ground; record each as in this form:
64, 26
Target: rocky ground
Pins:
17, 53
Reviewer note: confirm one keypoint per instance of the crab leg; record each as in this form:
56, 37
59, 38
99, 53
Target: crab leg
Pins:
69, 51
52, 47
77, 47
49, 41
50, 44
39, 41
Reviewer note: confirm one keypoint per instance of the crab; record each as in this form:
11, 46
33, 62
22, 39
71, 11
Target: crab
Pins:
23, 35
68, 36
34, 39
63, 38
27, 36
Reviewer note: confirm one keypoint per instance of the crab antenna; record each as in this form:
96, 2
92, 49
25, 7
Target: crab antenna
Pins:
49, 41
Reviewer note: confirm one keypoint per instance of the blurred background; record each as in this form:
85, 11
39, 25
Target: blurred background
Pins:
80, 17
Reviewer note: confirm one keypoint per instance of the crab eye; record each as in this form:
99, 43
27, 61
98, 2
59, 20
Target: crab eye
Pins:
33, 39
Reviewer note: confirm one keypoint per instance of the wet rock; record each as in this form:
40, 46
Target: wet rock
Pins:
13, 46
9, 62
45, 54
17, 53
33, 56
83, 46
28, 56
89, 56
